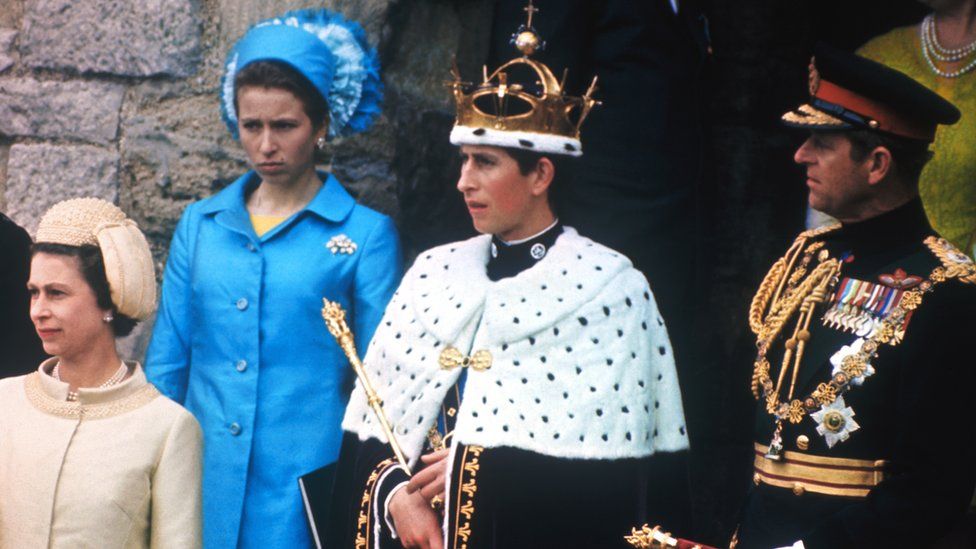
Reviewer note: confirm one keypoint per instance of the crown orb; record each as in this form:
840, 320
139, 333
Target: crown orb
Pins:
527, 42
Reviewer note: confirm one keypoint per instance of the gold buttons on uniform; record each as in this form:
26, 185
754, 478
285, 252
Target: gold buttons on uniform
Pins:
755, 479
802, 442
798, 489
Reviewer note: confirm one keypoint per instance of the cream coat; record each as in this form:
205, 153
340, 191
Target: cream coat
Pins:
119, 468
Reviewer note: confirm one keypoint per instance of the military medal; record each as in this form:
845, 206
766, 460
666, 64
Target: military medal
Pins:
835, 421
858, 306
775, 451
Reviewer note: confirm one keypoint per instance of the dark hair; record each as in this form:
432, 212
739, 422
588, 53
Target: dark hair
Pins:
562, 164
93, 271
909, 155
276, 74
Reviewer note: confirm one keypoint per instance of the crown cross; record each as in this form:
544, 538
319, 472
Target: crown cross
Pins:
530, 10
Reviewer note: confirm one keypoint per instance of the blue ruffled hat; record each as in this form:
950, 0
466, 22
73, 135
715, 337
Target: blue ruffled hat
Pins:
328, 50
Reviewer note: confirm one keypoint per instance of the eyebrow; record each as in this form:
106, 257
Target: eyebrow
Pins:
478, 155
246, 119
49, 285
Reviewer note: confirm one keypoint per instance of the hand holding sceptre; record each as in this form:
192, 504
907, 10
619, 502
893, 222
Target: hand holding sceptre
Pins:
335, 320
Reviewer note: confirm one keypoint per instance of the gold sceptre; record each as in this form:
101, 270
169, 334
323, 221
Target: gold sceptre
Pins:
335, 320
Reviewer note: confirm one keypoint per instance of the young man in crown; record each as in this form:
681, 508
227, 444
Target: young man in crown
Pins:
526, 372
864, 432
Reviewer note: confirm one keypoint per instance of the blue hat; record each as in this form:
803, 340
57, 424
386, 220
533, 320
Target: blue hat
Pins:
325, 48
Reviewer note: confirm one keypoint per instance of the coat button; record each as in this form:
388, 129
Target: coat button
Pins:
241, 365
251, 247
235, 428
242, 304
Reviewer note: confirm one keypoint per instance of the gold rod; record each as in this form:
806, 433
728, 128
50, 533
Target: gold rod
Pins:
335, 320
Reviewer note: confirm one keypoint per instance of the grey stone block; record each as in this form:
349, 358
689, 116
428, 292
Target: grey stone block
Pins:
38, 176
157, 37
238, 15
6, 41
176, 150
74, 110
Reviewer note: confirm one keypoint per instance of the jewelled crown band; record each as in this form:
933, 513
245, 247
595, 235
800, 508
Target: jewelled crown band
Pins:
536, 116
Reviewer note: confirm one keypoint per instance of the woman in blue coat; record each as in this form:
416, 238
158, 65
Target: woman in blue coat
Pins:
239, 339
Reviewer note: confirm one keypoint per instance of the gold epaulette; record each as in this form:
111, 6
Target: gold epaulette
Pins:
956, 264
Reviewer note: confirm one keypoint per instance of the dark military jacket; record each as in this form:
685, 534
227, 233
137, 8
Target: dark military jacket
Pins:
911, 418
22, 352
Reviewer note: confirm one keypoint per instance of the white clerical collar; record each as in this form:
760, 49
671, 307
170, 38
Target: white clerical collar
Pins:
526, 239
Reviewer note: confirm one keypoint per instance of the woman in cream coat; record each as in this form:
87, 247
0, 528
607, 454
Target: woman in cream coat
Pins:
91, 455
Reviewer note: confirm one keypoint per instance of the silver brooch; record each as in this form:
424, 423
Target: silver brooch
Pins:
538, 251
835, 421
341, 244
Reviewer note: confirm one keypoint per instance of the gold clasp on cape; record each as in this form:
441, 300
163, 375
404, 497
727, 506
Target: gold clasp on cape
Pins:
452, 358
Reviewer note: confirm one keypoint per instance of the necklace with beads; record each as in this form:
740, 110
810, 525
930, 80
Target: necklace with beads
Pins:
116, 378
933, 51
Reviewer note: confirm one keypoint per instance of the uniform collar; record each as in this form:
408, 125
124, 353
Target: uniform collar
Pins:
904, 224
332, 202
508, 259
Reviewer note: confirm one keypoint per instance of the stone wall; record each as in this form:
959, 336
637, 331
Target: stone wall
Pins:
118, 99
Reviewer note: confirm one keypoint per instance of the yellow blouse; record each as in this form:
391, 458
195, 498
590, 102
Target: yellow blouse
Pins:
264, 223
948, 184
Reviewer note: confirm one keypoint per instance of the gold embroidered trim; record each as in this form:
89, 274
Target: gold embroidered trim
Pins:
820, 474
809, 116
363, 522
811, 233
467, 486
957, 264
75, 410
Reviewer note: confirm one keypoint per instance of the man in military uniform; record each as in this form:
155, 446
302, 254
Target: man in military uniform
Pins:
864, 432
536, 356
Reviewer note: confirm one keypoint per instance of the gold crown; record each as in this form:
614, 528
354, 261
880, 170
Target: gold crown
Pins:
545, 122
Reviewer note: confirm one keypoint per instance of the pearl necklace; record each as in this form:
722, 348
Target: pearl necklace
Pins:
932, 50
116, 378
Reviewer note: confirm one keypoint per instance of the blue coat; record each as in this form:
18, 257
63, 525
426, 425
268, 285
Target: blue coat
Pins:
239, 340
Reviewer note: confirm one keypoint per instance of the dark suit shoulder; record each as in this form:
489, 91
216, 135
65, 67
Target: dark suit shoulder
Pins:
12, 235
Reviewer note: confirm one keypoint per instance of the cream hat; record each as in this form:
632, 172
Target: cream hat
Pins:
125, 252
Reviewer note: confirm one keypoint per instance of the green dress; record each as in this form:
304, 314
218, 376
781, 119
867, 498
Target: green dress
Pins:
948, 184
